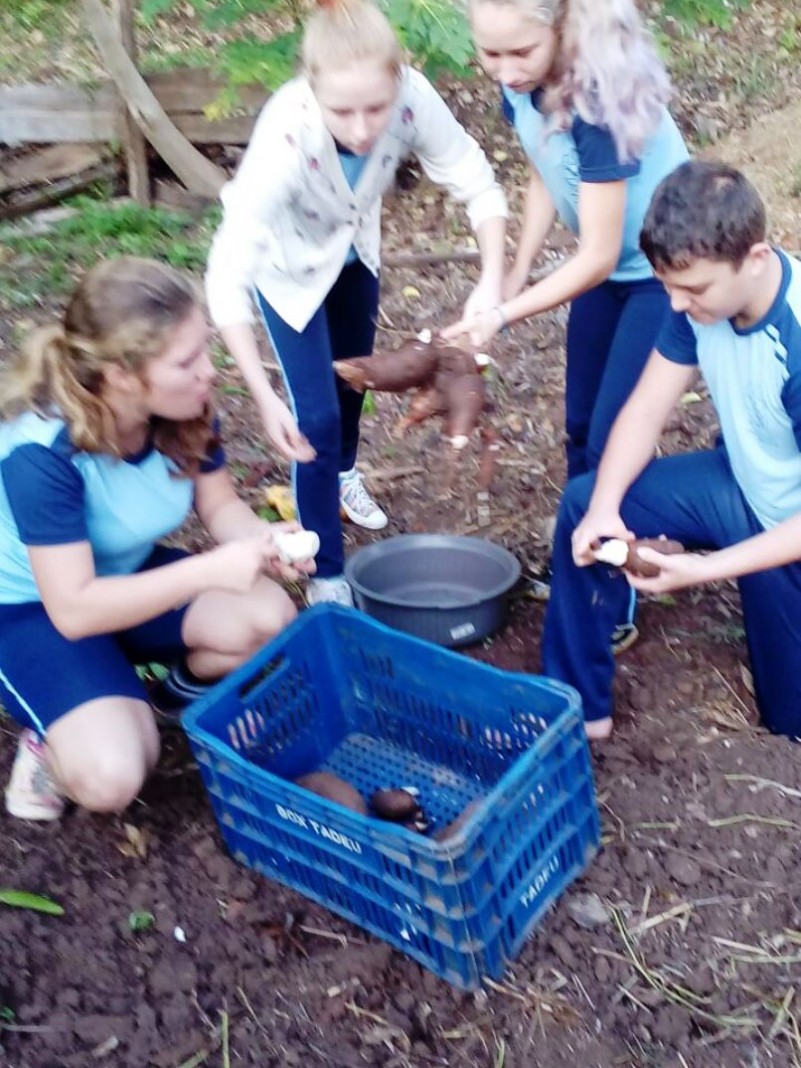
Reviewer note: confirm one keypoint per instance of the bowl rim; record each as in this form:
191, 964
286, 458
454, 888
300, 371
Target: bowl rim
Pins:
387, 546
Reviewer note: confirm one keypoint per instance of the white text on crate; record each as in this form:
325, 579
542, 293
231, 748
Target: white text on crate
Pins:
540, 882
319, 829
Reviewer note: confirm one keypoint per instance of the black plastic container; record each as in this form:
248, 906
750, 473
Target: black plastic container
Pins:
446, 588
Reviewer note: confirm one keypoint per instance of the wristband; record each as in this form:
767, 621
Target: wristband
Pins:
504, 320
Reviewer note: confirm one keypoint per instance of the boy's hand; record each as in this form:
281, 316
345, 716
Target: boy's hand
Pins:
675, 571
594, 527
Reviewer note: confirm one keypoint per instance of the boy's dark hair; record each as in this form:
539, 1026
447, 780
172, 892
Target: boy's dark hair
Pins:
702, 210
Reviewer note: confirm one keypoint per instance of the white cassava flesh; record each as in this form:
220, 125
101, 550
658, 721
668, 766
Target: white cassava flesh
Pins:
297, 545
615, 551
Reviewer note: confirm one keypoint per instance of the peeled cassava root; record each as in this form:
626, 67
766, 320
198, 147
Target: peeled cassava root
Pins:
446, 378
332, 788
626, 554
296, 545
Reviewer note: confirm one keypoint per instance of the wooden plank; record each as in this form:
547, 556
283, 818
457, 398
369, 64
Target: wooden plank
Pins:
48, 164
132, 137
51, 114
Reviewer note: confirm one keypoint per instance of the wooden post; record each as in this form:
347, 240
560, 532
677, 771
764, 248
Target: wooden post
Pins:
197, 173
133, 139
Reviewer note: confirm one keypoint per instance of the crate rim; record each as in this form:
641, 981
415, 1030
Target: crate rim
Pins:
190, 716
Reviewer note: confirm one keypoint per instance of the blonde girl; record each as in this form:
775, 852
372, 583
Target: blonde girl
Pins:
107, 440
586, 92
301, 235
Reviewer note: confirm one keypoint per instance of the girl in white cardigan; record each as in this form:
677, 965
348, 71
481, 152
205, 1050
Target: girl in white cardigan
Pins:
301, 236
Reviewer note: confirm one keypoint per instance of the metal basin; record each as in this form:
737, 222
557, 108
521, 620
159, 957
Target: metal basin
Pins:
445, 588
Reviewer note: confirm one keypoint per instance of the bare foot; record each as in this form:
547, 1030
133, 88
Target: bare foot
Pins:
598, 730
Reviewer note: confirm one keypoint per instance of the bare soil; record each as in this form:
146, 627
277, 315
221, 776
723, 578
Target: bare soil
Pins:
697, 958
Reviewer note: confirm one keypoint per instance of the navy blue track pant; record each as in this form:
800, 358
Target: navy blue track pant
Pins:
694, 498
611, 330
327, 410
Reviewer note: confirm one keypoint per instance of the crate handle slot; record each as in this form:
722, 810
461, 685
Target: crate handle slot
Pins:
266, 671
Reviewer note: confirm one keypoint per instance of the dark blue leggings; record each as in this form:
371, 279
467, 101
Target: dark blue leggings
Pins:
693, 498
326, 409
611, 330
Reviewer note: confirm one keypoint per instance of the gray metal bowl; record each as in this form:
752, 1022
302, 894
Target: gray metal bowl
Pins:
445, 588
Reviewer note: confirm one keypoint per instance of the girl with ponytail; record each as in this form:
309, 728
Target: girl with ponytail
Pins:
301, 236
106, 442
585, 91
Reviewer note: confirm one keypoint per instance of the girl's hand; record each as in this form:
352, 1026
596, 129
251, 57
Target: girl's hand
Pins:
283, 431
479, 328
594, 527
237, 565
485, 295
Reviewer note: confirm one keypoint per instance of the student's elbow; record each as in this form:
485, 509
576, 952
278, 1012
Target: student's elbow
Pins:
70, 622
601, 262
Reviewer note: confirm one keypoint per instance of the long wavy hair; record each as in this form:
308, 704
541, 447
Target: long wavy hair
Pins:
124, 312
342, 32
607, 68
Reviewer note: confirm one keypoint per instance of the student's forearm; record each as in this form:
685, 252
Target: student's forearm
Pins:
629, 449
580, 273
539, 215
491, 237
776, 547
112, 603
240, 340
232, 520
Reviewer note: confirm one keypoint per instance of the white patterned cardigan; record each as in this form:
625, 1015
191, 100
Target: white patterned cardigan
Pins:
290, 216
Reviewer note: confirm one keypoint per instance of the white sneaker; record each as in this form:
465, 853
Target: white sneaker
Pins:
357, 504
329, 590
30, 794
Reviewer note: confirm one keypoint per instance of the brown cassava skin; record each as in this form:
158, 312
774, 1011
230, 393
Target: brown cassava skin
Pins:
465, 399
425, 403
332, 788
635, 565
399, 806
451, 829
414, 364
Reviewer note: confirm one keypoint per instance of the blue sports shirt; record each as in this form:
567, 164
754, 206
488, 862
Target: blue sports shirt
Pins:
52, 494
754, 378
587, 153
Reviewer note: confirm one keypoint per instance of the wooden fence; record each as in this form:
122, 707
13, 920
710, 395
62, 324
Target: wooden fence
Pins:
59, 113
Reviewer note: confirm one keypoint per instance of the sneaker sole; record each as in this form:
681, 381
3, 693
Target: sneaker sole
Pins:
360, 520
625, 643
32, 810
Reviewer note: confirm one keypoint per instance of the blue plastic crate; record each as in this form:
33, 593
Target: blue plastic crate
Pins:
340, 692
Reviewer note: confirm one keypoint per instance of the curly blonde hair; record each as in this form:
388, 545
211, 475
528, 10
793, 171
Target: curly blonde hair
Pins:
123, 312
607, 68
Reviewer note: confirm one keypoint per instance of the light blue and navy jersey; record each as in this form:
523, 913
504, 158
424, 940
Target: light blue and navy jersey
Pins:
587, 153
754, 378
52, 494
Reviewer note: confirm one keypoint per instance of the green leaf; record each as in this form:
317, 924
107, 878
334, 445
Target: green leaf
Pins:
21, 899
141, 921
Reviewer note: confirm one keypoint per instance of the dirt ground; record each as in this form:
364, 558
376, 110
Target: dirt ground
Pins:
694, 959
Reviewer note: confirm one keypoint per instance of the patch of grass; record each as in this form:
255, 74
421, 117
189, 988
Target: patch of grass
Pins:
30, 30
36, 269
756, 80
